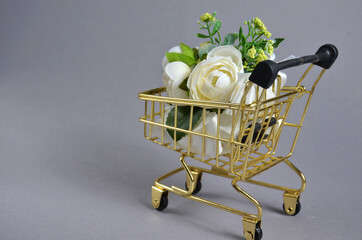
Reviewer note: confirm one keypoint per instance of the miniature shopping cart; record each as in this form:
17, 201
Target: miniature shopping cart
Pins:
251, 146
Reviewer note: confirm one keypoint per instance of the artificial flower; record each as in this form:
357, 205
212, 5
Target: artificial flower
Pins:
213, 79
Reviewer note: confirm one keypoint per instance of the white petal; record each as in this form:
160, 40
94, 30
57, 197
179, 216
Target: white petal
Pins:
227, 51
288, 58
167, 82
178, 92
164, 62
173, 76
272, 57
238, 92
269, 93
283, 77
157, 131
177, 70
196, 141
174, 49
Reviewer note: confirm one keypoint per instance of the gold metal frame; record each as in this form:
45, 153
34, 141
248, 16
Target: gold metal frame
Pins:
249, 154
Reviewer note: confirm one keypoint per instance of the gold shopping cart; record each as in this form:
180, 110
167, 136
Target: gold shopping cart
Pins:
249, 148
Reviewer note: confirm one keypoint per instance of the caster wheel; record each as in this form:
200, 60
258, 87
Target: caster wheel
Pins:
297, 209
258, 233
249, 232
197, 188
163, 202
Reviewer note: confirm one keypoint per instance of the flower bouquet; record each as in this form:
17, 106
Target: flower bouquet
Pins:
218, 71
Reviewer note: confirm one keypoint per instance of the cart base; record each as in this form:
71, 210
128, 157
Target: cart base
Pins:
251, 222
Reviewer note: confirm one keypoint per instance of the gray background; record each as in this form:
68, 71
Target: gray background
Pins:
74, 163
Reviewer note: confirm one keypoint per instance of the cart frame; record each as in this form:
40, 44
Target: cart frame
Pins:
251, 150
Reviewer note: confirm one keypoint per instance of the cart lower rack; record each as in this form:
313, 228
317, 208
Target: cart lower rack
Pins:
238, 141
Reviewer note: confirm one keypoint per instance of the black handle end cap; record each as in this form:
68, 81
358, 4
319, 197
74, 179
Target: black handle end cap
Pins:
331, 52
264, 74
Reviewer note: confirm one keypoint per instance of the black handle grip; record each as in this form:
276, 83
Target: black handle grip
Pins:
266, 72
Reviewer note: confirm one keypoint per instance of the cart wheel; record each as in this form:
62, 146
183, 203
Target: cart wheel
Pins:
163, 202
258, 233
197, 188
297, 209
159, 198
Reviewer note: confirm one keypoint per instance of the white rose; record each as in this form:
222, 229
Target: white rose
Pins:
227, 51
173, 75
213, 79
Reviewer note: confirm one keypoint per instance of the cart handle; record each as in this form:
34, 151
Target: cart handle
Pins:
266, 71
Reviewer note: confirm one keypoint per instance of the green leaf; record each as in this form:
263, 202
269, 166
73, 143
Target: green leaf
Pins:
230, 38
249, 28
243, 40
261, 44
196, 53
183, 85
277, 42
173, 57
183, 120
216, 27
203, 57
240, 33
248, 45
202, 35
186, 50
205, 48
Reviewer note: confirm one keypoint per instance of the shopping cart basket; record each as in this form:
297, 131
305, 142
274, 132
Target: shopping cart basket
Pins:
251, 146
